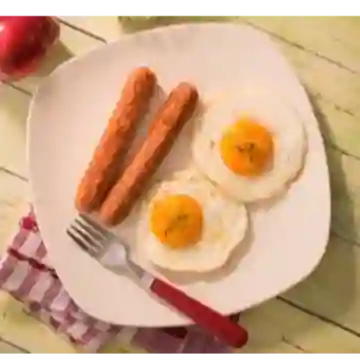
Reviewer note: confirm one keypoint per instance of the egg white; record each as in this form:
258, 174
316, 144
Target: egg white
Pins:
280, 119
224, 227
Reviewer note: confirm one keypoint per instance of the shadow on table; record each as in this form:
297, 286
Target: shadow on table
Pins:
329, 292
56, 56
339, 190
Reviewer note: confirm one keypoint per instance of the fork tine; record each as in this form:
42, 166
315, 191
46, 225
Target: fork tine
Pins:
94, 225
87, 240
80, 242
97, 236
91, 239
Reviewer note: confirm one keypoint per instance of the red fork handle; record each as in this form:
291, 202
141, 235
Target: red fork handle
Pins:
220, 326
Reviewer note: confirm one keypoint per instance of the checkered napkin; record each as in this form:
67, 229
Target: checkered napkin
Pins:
27, 275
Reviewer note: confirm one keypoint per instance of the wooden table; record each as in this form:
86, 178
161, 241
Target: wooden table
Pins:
322, 314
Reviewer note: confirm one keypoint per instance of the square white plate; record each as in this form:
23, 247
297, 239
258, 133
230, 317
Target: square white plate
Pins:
68, 115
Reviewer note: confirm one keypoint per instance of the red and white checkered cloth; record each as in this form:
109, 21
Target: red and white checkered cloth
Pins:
27, 275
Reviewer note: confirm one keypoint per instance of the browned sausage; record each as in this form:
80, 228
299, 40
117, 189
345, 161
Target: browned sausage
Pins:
177, 109
103, 168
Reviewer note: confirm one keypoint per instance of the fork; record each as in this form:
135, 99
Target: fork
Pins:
104, 246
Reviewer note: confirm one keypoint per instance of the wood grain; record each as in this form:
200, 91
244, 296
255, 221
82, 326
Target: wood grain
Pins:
17, 327
328, 37
333, 38
276, 323
13, 113
103, 28
345, 195
333, 290
326, 81
14, 202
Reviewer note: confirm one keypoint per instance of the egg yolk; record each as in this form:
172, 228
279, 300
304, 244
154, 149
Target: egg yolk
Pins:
246, 148
177, 221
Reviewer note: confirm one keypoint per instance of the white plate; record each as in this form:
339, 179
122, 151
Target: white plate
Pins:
68, 114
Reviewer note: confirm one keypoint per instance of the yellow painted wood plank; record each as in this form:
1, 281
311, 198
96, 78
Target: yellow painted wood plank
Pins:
345, 194
112, 27
14, 202
105, 27
27, 332
10, 349
337, 126
336, 85
13, 113
276, 324
333, 37
333, 290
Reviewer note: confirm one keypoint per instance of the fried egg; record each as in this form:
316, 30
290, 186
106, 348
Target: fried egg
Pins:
250, 143
186, 224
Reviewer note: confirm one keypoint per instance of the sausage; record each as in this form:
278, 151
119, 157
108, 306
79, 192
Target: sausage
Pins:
105, 164
167, 123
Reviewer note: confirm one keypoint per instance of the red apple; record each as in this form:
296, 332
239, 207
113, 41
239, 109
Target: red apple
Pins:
24, 42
